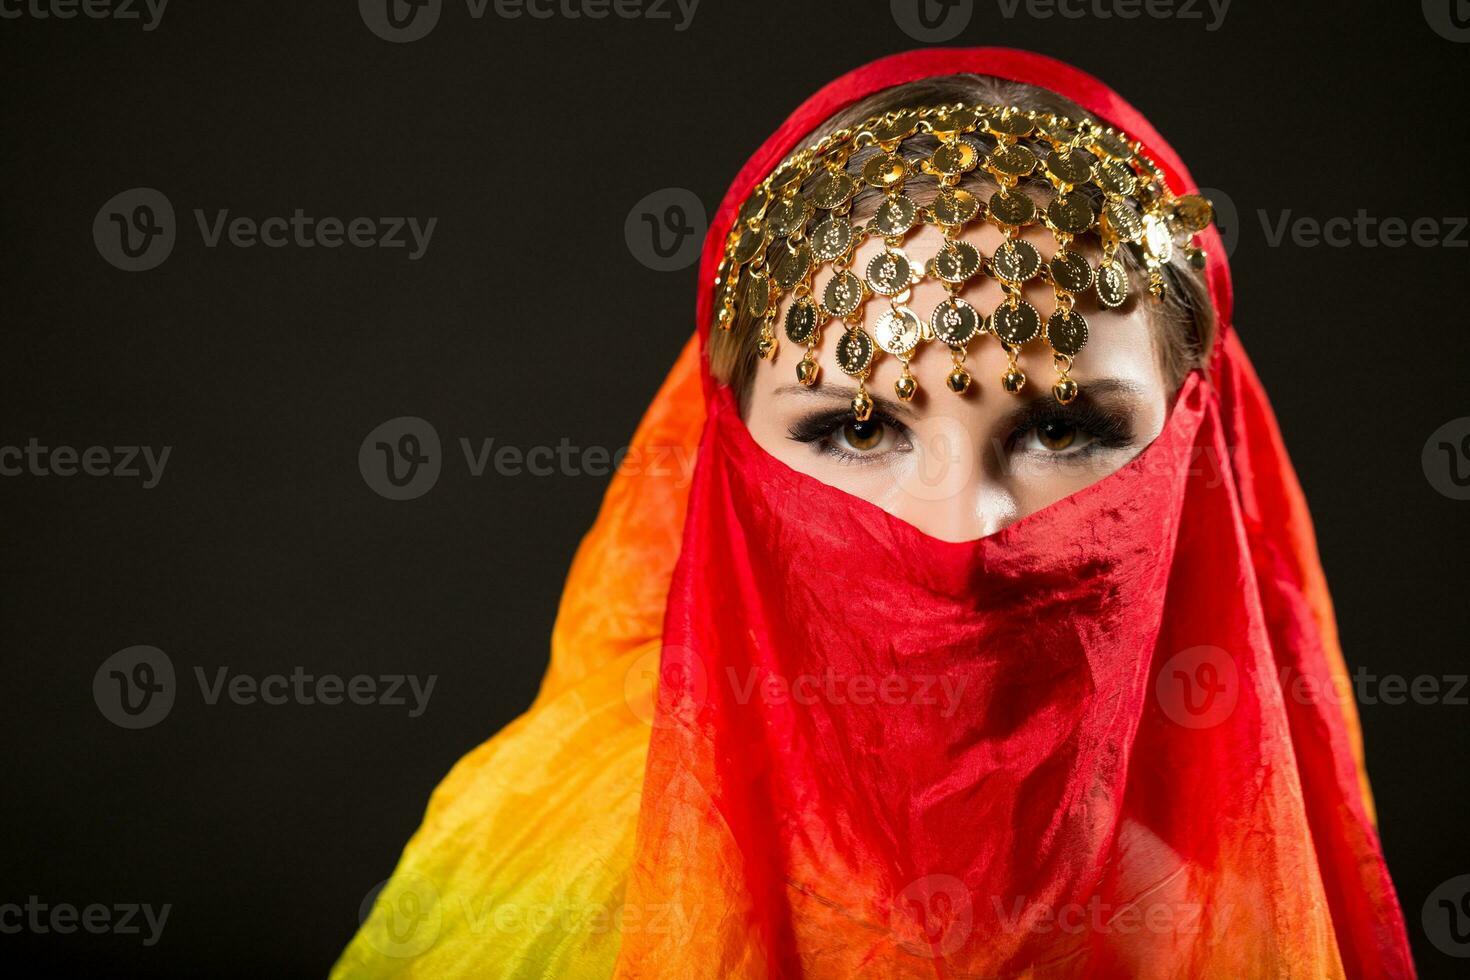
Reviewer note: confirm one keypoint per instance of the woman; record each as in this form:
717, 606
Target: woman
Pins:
990, 638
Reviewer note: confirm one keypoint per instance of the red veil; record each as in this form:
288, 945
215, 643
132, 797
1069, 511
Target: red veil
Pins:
1106, 741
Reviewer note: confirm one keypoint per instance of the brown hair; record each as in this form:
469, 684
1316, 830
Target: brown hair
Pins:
1184, 319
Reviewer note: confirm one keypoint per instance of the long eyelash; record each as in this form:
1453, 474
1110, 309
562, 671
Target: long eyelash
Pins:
1108, 429
820, 426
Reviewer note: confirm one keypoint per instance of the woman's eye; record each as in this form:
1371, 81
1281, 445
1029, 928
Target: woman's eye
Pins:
1056, 434
863, 436
838, 434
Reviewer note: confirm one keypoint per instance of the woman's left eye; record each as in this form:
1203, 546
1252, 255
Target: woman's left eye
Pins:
1078, 430
1057, 435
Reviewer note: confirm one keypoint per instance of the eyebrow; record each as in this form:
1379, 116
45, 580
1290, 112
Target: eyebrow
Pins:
846, 392
1031, 410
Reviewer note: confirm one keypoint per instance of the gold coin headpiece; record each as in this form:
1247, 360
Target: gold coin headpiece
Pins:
800, 218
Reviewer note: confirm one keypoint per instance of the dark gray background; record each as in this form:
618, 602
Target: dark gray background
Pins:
529, 320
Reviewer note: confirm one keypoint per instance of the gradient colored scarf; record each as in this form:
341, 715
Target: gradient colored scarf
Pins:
1075, 748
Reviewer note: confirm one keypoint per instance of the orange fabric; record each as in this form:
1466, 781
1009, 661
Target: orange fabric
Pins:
712, 832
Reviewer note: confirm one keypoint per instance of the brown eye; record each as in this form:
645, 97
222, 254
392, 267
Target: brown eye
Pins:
863, 435
1056, 435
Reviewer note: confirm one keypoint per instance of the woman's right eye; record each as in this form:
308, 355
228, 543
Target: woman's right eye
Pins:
863, 436
839, 434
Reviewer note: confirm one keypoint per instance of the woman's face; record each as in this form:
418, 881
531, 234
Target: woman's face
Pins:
960, 467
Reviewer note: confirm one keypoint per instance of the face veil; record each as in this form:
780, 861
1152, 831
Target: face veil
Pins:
784, 734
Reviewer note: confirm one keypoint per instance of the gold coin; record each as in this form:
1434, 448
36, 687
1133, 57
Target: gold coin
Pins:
955, 158
896, 215
956, 261
1158, 240
1111, 285
792, 264
897, 330
1070, 214
1015, 261
755, 205
1113, 145
832, 189
1116, 178
1013, 161
1010, 124
842, 295
953, 206
1055, 129
1120, 218
1066, 332
749, 243
885, 171
854, 352
788, 173
889, 272
899, 125
831, 237
1069, 166
954, 121
787, 215
1194, 213
1070, 271
801, 320
1014, 209
756, 292
1015, 324
955, 322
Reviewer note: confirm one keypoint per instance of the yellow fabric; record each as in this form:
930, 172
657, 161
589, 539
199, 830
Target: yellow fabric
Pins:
519, 866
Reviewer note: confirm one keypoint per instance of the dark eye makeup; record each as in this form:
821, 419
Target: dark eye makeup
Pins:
1040, 427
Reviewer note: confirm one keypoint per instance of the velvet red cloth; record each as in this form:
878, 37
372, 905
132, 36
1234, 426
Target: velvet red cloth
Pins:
1076, 747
